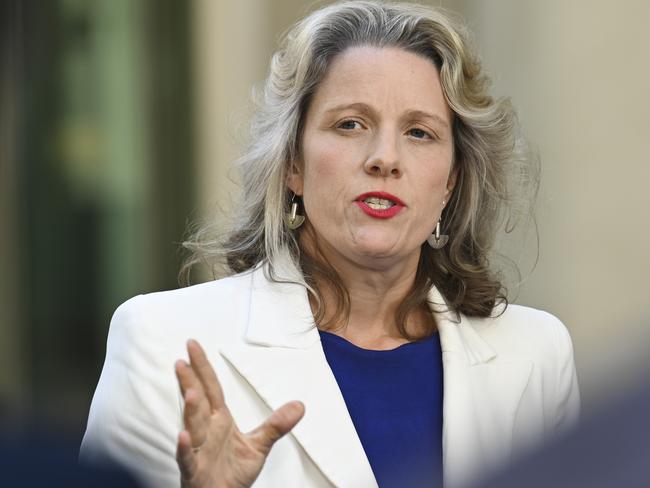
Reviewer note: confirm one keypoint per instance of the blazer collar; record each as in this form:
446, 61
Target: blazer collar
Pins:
280, 316
457, 334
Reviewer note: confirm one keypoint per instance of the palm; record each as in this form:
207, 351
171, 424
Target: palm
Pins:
211, 451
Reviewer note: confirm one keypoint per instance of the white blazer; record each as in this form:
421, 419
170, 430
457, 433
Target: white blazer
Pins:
509, 384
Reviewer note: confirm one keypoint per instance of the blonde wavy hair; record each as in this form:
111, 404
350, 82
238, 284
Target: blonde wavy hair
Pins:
496, 177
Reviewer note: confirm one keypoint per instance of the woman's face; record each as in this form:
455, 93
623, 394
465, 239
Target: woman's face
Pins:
376, 157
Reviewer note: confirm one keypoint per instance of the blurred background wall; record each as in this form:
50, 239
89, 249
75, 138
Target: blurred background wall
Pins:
119, 120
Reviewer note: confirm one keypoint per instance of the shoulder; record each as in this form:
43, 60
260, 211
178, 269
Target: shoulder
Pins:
541, 338
200, 311
194, 297
135, 412
524, 331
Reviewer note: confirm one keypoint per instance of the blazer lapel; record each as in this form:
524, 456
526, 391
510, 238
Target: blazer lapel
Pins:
481, 396
283, 360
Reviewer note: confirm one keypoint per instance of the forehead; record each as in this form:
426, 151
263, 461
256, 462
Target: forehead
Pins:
387, 76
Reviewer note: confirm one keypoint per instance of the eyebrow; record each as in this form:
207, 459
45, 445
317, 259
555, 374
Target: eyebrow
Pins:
367, 109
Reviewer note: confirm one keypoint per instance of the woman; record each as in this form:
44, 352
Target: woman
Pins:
372, 190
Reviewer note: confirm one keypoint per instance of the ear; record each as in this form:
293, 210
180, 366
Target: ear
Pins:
451, 183
295, 180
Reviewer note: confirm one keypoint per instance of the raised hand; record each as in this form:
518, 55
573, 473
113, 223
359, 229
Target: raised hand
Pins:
211, 451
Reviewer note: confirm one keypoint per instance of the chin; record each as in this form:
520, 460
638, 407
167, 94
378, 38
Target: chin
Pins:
380, 240
377, 250
383, 250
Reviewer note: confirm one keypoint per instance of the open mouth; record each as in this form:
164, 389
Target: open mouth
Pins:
376, 203
379, 204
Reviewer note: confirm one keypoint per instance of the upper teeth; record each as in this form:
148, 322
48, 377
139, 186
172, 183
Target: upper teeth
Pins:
378, 203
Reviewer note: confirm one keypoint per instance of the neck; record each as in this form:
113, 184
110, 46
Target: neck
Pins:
375, 291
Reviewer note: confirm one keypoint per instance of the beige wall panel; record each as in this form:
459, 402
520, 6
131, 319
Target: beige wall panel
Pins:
578, 72
231, 55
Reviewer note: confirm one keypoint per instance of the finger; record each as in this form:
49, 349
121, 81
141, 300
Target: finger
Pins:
206, 374
196, 416
277, 425
196, 411
187, 377
185, 457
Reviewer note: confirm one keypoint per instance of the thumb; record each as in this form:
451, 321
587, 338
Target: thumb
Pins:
278, 424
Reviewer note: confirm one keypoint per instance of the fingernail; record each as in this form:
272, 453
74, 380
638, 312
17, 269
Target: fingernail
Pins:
298, 405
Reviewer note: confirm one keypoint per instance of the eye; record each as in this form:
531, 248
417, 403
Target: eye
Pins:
348, 125
420, 133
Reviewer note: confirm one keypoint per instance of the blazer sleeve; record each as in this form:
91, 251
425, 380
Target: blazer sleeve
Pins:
567, 409
135, 415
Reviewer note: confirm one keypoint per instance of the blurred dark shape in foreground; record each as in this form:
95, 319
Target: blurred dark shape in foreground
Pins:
38, 459
609, 449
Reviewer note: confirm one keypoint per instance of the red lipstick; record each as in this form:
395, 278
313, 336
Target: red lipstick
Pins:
380, 213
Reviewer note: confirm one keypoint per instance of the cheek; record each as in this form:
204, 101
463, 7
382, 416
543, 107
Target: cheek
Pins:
437, 180
432, 190
327, 167
323, 159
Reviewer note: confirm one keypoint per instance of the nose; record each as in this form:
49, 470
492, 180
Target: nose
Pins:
384, 158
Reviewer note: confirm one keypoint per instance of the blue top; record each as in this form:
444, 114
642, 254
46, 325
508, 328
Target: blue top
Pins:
394, 398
